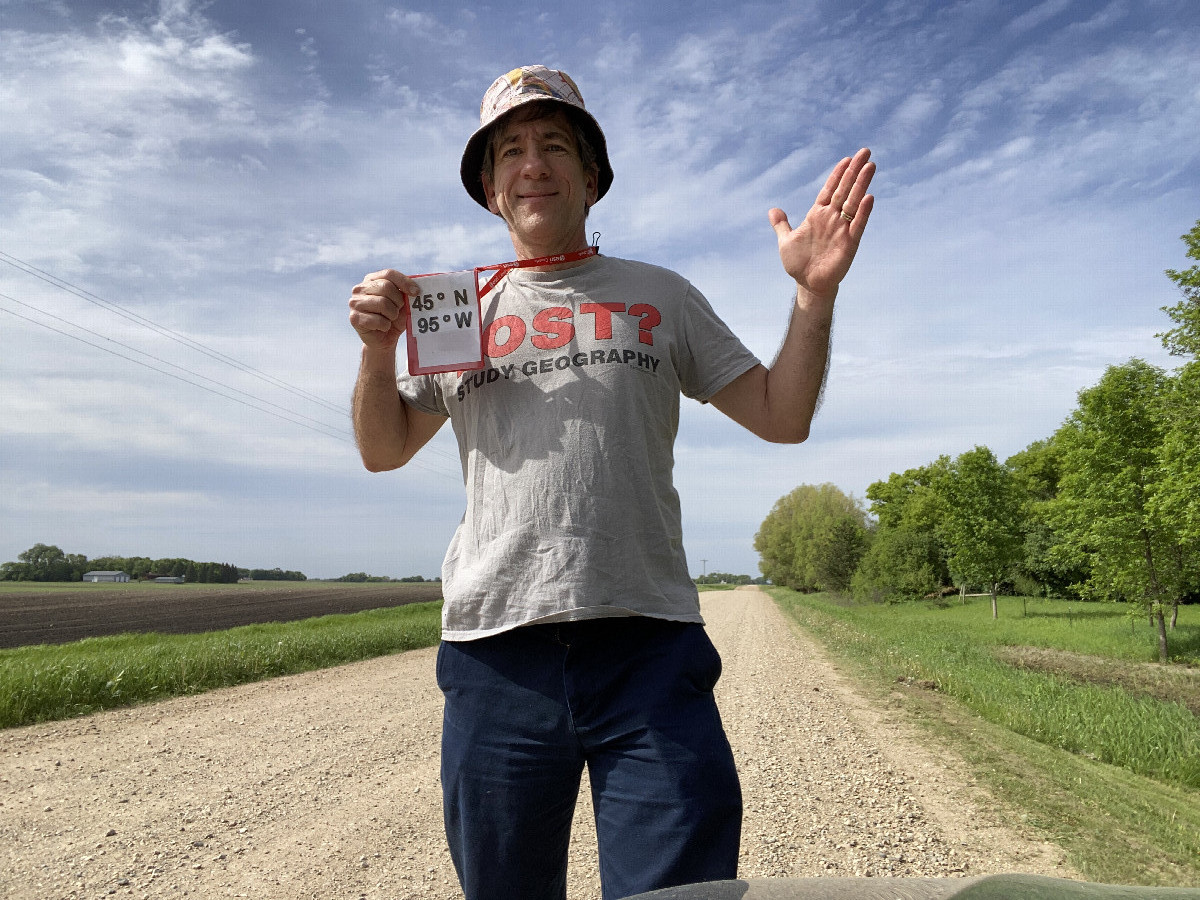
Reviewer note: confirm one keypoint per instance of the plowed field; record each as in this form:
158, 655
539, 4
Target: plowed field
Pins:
55, 616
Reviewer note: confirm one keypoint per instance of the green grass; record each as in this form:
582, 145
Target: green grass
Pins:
49, 682
1107, 770
1102, 629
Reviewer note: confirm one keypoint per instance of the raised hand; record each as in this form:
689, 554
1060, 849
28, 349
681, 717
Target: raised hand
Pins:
377, 308
818, 253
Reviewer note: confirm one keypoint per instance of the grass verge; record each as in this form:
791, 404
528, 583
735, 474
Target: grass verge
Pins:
1039, 741
49, 682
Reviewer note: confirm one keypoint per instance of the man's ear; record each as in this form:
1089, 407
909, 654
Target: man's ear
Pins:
490, 193
591, 183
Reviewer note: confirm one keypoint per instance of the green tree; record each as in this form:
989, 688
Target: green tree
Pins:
1184, 338
278, 574
911, 498
139, 567
906, 559
1037, 469
14, 571
110, 564
1113, 498
983, 523
794, 542
838, 553
901, 564
719, 578
1177, 498
45, 562
1046, 562
1049, 565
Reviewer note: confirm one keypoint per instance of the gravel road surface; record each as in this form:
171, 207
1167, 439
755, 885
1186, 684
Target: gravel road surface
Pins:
325, 785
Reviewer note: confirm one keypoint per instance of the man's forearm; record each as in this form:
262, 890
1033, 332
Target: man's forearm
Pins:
778, 404
380, 419
796, 378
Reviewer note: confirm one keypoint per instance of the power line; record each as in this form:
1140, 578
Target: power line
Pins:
320, 427
222, 358
165, 362
83, 294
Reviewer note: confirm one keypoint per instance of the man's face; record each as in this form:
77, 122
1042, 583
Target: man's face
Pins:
538, 183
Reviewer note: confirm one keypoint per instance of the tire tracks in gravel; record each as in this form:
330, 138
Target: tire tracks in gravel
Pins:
325, 785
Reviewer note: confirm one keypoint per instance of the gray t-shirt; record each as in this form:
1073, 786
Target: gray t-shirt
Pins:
567, 444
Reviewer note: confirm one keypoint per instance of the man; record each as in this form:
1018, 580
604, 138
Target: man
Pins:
571, 628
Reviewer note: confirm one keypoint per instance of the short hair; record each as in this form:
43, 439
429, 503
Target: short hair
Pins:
533, 112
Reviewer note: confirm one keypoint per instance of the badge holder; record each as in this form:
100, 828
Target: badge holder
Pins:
444, 330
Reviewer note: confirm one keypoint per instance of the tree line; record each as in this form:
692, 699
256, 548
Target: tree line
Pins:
1105, 508
46, 562
728, 578
363, 578
276, 574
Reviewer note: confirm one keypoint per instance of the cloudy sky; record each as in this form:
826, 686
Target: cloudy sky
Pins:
188, 191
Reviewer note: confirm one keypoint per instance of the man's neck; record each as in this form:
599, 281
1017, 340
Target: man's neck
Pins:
531, 250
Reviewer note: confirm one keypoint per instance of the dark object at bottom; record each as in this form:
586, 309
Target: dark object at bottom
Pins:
988, 887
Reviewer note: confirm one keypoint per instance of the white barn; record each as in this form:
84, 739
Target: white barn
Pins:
95, 577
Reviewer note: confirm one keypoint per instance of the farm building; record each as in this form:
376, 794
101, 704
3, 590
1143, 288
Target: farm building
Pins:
105, 576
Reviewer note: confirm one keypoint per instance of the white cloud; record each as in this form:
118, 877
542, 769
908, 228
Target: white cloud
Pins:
912, 119
1103, 18
53, 499
418, 26
1038, 16
438, 248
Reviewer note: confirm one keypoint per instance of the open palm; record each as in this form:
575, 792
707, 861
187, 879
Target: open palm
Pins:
818, 253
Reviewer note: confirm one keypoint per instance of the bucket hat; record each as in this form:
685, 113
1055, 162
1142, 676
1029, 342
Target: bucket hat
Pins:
525, 85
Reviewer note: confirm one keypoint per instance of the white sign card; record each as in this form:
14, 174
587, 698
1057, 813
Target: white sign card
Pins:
444, 332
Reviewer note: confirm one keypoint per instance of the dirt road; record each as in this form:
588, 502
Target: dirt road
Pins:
325, 785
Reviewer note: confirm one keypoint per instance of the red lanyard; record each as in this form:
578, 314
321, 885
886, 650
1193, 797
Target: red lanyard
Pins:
503, 269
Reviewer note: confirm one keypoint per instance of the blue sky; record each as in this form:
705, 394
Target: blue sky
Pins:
226, 171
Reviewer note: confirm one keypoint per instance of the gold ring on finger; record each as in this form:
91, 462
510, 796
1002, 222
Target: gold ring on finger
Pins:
846, 217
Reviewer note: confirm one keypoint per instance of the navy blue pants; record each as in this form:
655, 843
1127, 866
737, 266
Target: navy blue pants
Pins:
630, 698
